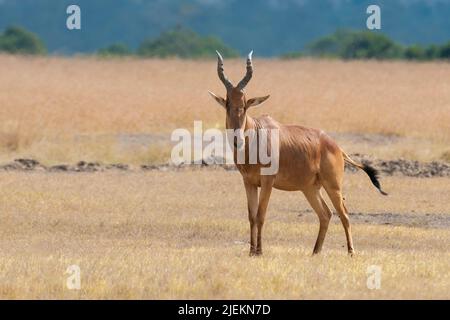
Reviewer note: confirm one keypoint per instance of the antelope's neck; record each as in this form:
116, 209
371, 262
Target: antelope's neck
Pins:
249, 123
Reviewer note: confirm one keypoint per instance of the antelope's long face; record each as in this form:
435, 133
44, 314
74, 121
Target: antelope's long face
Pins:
236, 104
236, 109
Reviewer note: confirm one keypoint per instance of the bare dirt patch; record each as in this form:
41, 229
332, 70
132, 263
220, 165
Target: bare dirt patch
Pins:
414, 220
409, 168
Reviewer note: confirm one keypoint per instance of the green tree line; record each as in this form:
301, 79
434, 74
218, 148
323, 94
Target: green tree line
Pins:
347, 44
179, 42
185, 43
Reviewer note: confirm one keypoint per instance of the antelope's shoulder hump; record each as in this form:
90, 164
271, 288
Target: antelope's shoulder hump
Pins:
266, 121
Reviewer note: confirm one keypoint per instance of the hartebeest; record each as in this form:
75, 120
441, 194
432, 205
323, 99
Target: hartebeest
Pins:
308, 160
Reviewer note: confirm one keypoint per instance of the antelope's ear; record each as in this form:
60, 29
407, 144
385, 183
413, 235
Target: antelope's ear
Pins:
219, 100
255, 101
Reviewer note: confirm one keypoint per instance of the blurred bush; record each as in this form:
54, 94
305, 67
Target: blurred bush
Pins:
18, 40
444, 52
115, 50
184, 43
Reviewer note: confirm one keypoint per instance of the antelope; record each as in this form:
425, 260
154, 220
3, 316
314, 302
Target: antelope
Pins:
309, 160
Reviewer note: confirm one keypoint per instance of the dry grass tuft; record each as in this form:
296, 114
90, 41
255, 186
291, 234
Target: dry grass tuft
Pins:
446, 156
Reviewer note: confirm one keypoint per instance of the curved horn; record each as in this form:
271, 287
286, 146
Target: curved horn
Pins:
221, 73
241, 85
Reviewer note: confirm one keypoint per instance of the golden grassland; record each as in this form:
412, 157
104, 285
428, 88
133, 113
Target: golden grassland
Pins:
184, 235
48, 103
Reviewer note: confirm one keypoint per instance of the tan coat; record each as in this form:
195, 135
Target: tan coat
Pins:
309, 160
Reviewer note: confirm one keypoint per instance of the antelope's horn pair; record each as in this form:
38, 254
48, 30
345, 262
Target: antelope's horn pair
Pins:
228, 85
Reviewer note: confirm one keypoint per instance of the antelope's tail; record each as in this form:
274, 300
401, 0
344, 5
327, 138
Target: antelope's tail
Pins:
371, 171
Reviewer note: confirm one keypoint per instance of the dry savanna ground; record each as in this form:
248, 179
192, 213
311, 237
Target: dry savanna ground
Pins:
184, 234
68, 109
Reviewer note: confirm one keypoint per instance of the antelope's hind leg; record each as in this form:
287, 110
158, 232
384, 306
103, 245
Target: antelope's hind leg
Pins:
331, 177
323, 212
338, 202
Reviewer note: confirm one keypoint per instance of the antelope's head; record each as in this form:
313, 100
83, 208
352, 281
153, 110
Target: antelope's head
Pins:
236, 103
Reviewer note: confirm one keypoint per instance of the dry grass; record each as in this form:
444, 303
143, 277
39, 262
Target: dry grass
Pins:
184, 235
47, 103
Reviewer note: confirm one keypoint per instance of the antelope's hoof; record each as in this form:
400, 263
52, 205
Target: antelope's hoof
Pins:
254, 253
351, 253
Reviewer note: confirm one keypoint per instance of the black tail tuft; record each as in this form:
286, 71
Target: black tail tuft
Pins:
373, 175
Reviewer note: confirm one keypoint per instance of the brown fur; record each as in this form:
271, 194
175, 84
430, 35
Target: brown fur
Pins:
309, 160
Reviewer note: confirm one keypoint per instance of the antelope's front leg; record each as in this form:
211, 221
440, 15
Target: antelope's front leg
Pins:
252, 202
264, 196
